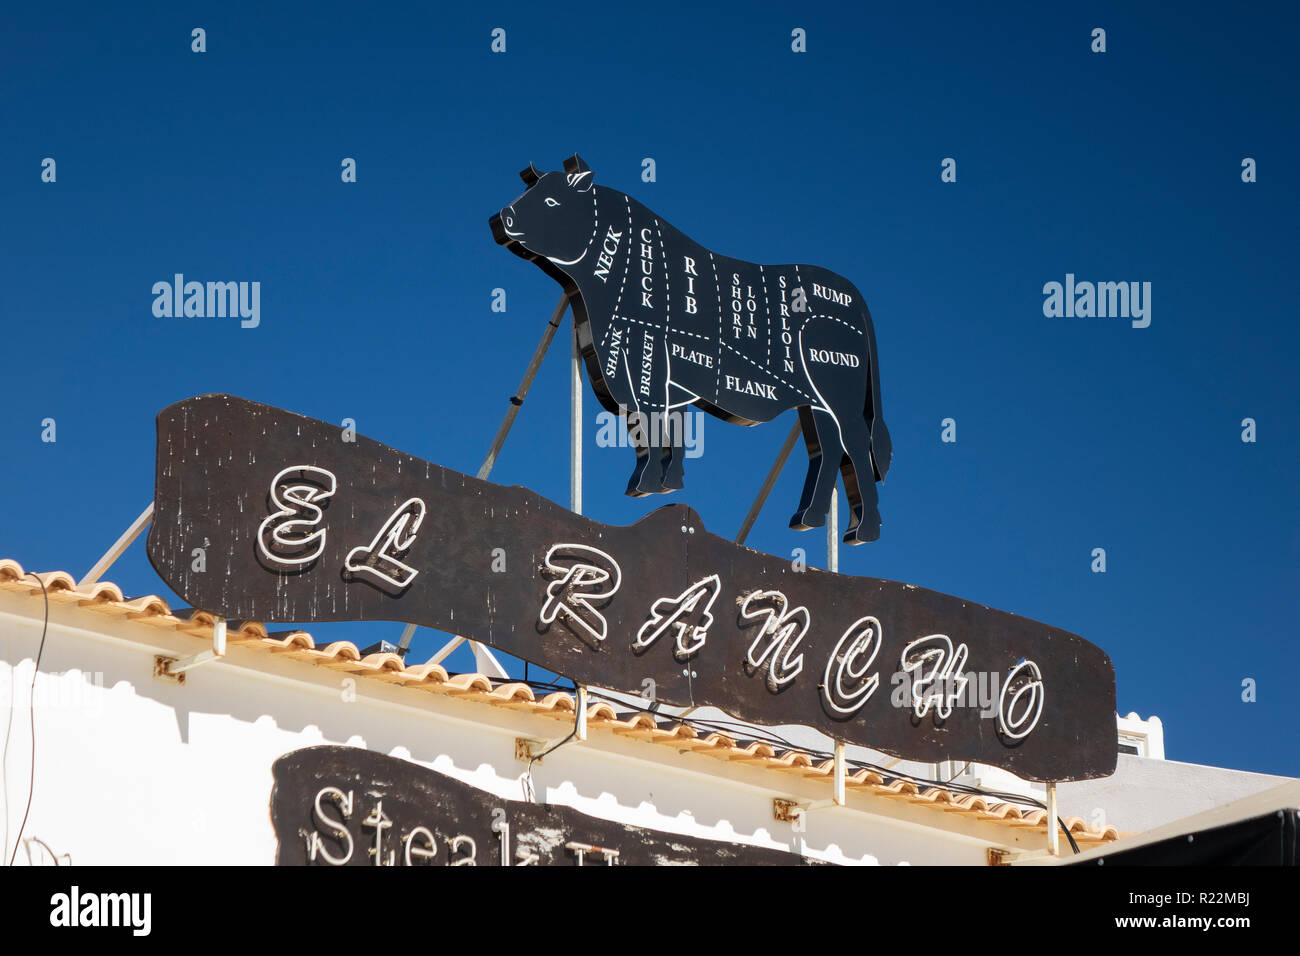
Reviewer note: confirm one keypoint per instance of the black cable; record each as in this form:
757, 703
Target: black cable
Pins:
528, 774
31, 709
47, 850
4, 758
762, 736
1069, 836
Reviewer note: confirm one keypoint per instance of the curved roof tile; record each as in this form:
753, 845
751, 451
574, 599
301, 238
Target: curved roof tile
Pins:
106, 598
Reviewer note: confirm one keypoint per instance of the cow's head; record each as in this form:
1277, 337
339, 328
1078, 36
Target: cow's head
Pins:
555, 218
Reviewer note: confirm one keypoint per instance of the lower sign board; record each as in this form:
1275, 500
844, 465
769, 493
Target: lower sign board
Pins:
300, 521
345, 806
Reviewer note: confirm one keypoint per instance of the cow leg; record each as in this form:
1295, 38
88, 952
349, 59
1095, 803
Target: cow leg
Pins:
825, 453
674, 450
672, 477
647, 475
859, 482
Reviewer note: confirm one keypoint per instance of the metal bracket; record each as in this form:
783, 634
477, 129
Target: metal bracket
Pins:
791, 811
785, 811
527, 748
171, 668
608, 856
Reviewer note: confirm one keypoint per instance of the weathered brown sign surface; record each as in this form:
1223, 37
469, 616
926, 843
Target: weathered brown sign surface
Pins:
346, 806
301, 522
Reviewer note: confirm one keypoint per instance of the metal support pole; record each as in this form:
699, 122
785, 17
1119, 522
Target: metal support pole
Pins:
446, 649
580, 724
486, 661
517, 400
833, 532
1053, 834
404, 642
840, 773
768, 482
575, 425
119, 546
485, 469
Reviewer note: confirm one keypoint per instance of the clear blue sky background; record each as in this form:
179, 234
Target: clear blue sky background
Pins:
1073, 434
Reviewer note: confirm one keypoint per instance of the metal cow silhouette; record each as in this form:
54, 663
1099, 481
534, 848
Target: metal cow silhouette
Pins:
663, 323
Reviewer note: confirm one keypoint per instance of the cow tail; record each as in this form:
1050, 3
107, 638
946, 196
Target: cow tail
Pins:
882, 447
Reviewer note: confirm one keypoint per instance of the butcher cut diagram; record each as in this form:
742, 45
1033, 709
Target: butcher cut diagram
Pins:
664, 323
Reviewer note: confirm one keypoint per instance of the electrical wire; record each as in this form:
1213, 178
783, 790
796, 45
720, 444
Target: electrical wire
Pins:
529, 794
51, 853
750, 732
4, 764
715, 725
31, 711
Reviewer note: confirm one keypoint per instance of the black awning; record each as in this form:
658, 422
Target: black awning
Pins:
1266, 840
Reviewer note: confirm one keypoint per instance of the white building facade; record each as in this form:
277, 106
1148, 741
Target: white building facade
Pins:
136, 767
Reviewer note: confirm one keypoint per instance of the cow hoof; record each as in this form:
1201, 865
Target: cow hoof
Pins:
673, 477
806, 522
643, 486
862, 534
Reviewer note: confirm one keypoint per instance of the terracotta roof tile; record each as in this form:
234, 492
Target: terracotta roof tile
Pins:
100, 593
558, 701
106, 598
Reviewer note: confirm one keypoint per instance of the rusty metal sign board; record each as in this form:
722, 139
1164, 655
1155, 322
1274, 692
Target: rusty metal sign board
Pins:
300, 521
346, 806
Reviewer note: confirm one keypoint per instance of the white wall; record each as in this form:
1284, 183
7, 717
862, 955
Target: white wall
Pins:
131, 769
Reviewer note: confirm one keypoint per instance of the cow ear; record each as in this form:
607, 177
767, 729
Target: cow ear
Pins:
579, 173
530, 175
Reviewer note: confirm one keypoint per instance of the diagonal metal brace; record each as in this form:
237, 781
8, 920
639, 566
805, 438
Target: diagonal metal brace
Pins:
768, 482
119, 546
484, 658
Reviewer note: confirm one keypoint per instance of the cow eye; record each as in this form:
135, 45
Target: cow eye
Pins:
552, 202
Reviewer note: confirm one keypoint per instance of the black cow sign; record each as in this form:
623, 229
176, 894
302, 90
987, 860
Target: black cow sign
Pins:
664, 323
346, 806
301, 521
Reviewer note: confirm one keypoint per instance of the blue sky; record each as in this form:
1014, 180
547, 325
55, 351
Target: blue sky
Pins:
1073, 434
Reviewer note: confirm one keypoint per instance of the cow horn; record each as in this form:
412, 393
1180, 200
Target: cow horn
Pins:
530, 175
575, 164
